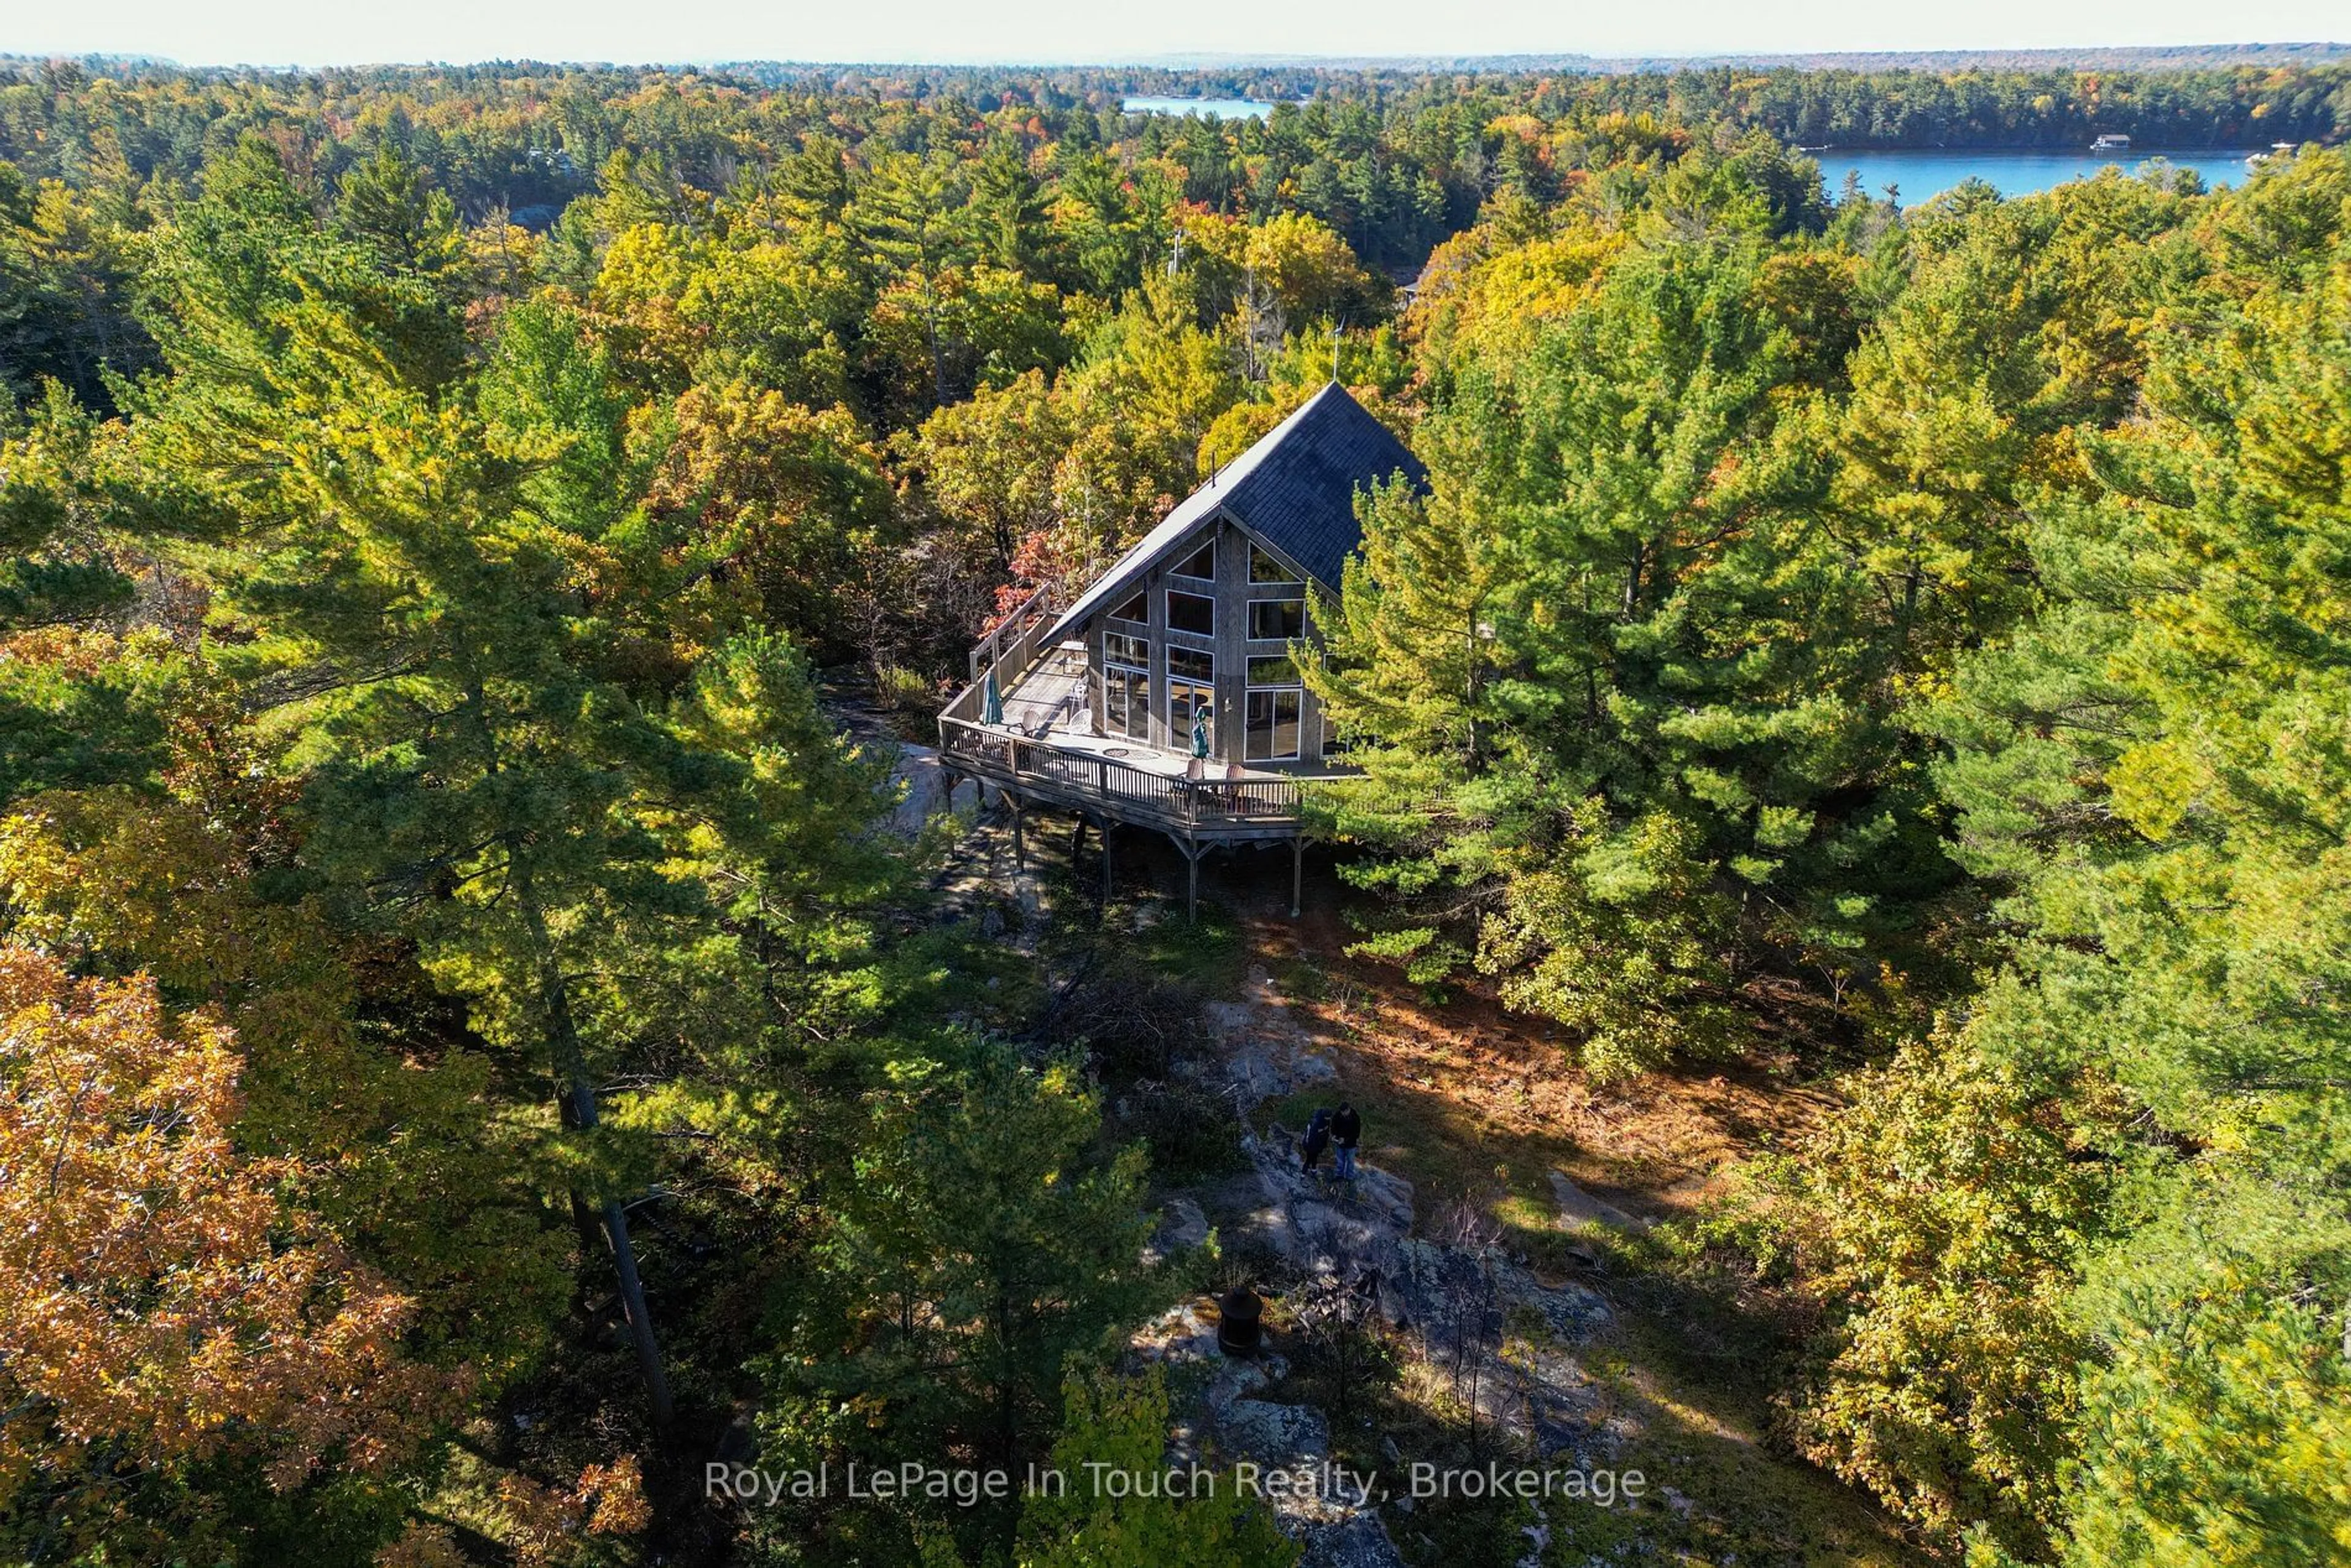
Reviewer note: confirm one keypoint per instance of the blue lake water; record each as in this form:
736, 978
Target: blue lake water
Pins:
1919, 175
1214, 108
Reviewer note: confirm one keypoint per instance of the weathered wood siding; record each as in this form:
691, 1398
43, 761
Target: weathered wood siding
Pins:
1231, 644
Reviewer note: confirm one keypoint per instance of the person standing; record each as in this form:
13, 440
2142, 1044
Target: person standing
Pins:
1318, 1136
1347, 1130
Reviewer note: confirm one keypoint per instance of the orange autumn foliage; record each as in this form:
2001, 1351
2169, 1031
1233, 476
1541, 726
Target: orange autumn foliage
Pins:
547, 1529
542, 1527
158, 1304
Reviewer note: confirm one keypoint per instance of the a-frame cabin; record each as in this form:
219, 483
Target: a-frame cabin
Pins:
1184, 646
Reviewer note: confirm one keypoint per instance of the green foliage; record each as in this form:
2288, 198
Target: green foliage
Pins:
425, 497
977, 1248
1937, 1225
2214, 1425
1119, 1426
66, 279
2149, 768
60, 570
79, 709
1618, 697
388, 203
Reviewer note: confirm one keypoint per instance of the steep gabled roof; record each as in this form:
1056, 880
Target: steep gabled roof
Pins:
1295, 489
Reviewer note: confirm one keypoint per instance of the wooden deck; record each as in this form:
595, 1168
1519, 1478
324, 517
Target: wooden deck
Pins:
1150, 792
1045, 753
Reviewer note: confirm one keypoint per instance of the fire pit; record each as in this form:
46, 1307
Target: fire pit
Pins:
1240, 1326
1116, 751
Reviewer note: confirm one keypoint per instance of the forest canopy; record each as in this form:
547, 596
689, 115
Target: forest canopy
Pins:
451, 929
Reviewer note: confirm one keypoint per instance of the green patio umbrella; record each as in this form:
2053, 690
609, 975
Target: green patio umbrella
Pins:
991, 702
1200, 732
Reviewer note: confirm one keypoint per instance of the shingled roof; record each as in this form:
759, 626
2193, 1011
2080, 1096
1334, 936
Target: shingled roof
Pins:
1295, 489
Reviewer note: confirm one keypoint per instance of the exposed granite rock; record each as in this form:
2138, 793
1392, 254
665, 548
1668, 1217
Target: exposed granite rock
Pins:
1183, 1333
1441, 1295
1276, 1436
1507, 1340
1264, 1050
1578, 1207
1312, 1067
1229, 1020
1229, 1424
1323, 1226
1359, 1542
1454, 1305
1182, 1228
1259, 1067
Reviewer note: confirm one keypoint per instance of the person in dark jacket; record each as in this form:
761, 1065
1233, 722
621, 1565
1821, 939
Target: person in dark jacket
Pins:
1346, 1129
1318, 1137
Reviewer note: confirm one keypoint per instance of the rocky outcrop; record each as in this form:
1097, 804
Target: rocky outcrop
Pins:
1260, 1050
1336, 1519
1578, 1207
1506, 1340
1182, 1228
1323, 1227
1457, 1305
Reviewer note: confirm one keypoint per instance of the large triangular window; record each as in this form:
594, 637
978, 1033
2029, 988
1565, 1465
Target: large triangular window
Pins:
1201, 563
1264, 567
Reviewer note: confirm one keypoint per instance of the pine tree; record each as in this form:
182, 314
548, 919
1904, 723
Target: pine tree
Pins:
980, 1247
1632, 705
2150, 768
1118, 1427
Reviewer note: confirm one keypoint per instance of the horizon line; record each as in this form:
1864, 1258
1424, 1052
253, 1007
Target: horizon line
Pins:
1535, 59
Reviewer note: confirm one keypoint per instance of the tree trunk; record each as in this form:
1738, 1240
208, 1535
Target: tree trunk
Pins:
615, 1231
938, 364
641, 1322
578, 1096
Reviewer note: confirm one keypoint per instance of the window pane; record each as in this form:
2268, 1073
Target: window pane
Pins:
1263, 568
1272, 620
1281, 670
1120, 649
1185, 698
1191, 613
1201, 563
1192, 664
1273, 725
1133, 609
1127, 702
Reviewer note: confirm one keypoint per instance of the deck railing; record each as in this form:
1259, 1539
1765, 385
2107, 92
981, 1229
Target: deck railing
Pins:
1088, 779
1012, 645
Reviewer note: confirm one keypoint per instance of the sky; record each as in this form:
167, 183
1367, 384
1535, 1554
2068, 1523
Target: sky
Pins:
354, 32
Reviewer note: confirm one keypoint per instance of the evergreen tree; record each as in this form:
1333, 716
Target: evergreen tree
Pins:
1118, 1427
2149, 768
978, 1248
1645, 702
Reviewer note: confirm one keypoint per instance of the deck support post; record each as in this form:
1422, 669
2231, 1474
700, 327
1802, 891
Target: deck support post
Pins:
1192, 884
1105, 858
1019, 861
1297, 872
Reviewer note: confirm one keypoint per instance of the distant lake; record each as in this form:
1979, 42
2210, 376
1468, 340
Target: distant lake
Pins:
1214, 108
1921, 175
